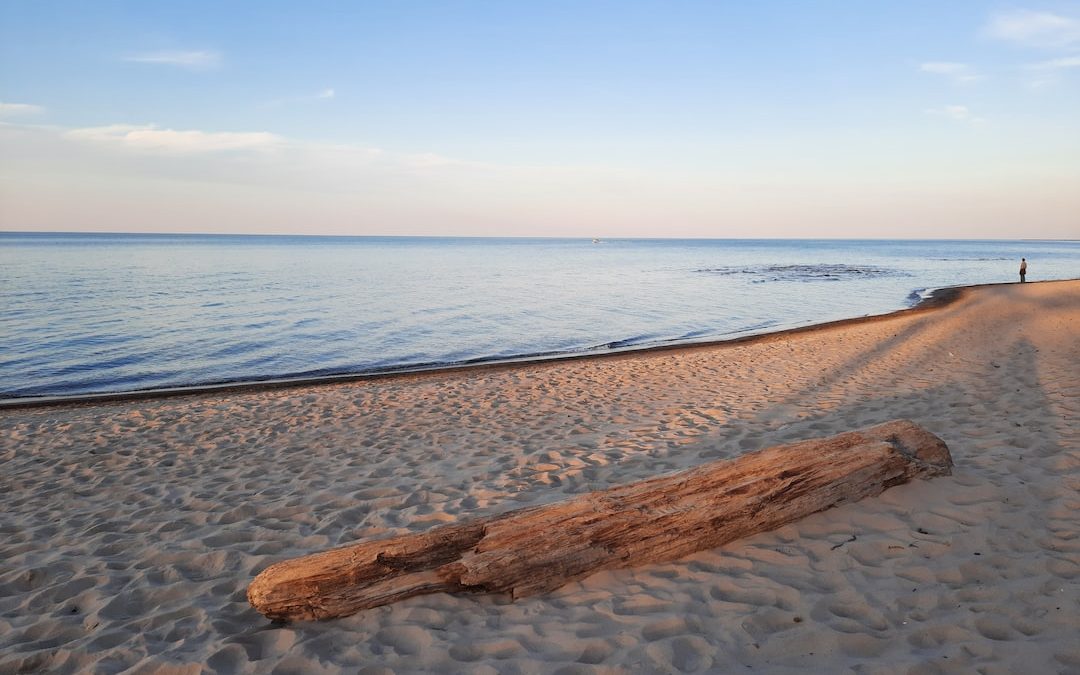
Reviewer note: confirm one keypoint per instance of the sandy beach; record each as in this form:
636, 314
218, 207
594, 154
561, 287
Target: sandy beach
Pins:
131, 529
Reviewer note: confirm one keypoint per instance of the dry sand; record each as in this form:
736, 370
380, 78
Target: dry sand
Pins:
130, 530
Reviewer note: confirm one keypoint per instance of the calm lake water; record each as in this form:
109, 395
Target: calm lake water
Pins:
107, 313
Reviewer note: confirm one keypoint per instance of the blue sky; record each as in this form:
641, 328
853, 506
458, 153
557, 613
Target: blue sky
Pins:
701, 119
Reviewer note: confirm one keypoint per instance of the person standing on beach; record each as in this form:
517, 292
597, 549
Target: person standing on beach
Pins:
1023, 269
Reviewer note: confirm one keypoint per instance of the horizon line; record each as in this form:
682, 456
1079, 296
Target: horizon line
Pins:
518, 236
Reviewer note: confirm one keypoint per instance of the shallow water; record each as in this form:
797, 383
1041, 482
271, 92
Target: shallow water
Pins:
106, 313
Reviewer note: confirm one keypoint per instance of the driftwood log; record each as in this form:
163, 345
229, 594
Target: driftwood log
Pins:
540, 548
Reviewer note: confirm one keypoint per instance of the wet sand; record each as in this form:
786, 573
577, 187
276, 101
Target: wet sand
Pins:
132, 528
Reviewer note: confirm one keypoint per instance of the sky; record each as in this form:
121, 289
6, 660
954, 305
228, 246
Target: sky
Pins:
777, 118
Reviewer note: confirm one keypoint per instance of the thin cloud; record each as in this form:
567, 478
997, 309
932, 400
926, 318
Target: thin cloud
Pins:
961, 73
1048, 74
199, 59
957, 113
1057, 64
18, 109
1042, 30
431, 160
150, 138
323, 95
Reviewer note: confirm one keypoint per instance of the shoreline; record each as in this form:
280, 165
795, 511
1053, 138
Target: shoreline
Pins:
939, 297
133, 529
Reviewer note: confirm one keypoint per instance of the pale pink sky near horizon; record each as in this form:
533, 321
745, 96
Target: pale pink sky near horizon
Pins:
161, 181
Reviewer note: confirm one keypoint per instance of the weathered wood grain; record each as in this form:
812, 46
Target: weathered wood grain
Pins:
538, 549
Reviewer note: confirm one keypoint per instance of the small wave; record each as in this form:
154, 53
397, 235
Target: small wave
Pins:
971, 259
260, 324
102, 366
918, 295
695, 334
238, 348
635, 341
915, 297
806, 272
758, 327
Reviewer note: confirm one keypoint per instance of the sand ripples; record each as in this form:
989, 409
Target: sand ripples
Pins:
131, 530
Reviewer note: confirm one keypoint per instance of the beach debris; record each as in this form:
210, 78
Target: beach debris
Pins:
540, 548
846, 541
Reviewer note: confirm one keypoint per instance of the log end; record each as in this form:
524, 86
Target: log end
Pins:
263, 594
345, 580
291, 590
916, 443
